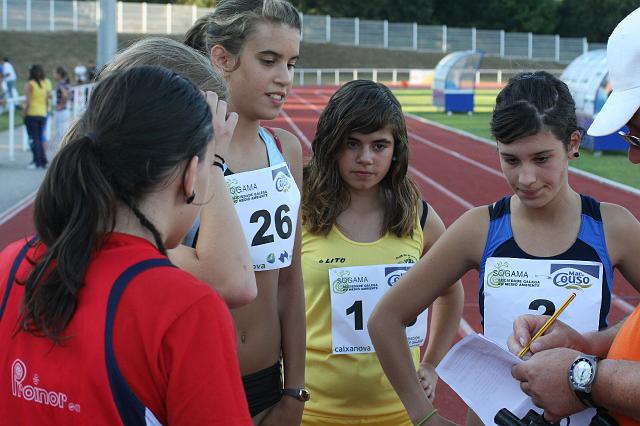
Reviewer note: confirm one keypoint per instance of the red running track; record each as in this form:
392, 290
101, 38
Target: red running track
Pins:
454, 173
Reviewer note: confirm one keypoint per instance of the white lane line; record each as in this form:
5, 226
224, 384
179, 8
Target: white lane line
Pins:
464, 328
11, 212
464, 203
293, 125
457, 155
622, 304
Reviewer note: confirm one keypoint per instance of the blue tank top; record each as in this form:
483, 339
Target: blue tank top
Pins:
589, 246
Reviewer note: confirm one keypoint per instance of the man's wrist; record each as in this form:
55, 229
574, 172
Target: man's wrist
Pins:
582, 374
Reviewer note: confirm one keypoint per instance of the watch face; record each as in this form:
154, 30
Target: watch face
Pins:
581, 373
304, 395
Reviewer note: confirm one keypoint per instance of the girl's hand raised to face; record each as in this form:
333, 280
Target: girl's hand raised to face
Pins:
223, 124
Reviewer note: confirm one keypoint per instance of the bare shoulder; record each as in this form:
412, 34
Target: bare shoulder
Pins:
616, 218
476, 217
466, 237
621, 228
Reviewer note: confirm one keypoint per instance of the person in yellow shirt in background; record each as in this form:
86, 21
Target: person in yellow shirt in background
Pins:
364, 225
35, 110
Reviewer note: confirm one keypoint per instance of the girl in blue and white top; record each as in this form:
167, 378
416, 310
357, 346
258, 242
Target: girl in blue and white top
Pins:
532, 248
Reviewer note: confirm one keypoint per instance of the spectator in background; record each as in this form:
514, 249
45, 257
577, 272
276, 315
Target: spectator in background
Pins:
3, 94
49, 88
35, 113
9, 74
63, 96
91, 71
81, 74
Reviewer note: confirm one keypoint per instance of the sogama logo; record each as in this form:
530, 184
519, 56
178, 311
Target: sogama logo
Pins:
500, 273
341, 284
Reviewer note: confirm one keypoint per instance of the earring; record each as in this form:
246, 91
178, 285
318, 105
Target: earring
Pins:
576, 154
393, 158
191, 197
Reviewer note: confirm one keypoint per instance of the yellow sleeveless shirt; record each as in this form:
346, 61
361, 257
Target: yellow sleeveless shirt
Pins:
347, 386
39, 94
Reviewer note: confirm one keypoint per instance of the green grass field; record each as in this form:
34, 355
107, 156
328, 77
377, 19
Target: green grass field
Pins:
610, 165
4, 120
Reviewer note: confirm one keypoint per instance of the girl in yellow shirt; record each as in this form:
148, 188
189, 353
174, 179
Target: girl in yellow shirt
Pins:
361, 231
35, 109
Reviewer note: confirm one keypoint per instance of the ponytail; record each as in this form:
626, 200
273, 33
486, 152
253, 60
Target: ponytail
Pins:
141, 127
74, 209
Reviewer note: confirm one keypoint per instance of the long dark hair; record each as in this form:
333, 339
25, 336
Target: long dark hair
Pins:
532, 102
141, 126
360, 106
36, 73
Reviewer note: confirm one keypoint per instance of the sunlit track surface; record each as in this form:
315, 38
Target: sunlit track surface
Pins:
454, 173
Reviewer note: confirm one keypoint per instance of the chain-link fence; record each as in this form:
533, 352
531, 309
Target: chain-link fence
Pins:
60, 15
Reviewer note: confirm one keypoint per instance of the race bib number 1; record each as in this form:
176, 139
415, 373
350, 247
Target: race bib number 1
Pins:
355, 291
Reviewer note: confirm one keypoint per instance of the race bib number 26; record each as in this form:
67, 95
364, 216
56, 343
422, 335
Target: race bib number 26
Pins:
267, 202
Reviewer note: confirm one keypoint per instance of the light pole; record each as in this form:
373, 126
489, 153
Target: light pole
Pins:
107, 36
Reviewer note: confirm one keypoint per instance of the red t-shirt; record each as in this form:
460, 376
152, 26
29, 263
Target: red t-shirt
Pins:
173, 339
626, 346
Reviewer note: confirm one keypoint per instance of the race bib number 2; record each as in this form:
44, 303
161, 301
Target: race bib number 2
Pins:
514, 286
267, 202
355, 291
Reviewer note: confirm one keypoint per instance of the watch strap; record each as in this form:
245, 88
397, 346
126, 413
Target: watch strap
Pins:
300, 394
586, 398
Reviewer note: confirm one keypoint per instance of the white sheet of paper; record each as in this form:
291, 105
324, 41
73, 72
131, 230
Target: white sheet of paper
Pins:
479, 371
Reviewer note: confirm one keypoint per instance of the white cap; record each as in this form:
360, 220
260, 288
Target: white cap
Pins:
623, 60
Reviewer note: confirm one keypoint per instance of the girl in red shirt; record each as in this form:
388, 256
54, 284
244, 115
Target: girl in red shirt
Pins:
96, 325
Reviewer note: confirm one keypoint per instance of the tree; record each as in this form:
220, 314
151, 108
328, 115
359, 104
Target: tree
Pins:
538, 16
594, 19
393, 10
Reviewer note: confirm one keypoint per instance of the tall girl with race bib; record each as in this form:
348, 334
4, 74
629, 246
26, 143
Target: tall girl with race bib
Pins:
221, 259
364, 226
256, 45
97, 326
532, 248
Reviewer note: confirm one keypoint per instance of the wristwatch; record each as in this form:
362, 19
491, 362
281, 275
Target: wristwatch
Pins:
582, 374
298, 393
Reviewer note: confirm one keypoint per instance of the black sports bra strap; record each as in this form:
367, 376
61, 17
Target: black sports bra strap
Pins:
425, 212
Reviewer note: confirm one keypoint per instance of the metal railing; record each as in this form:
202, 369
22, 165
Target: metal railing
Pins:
337, 76
59, 15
